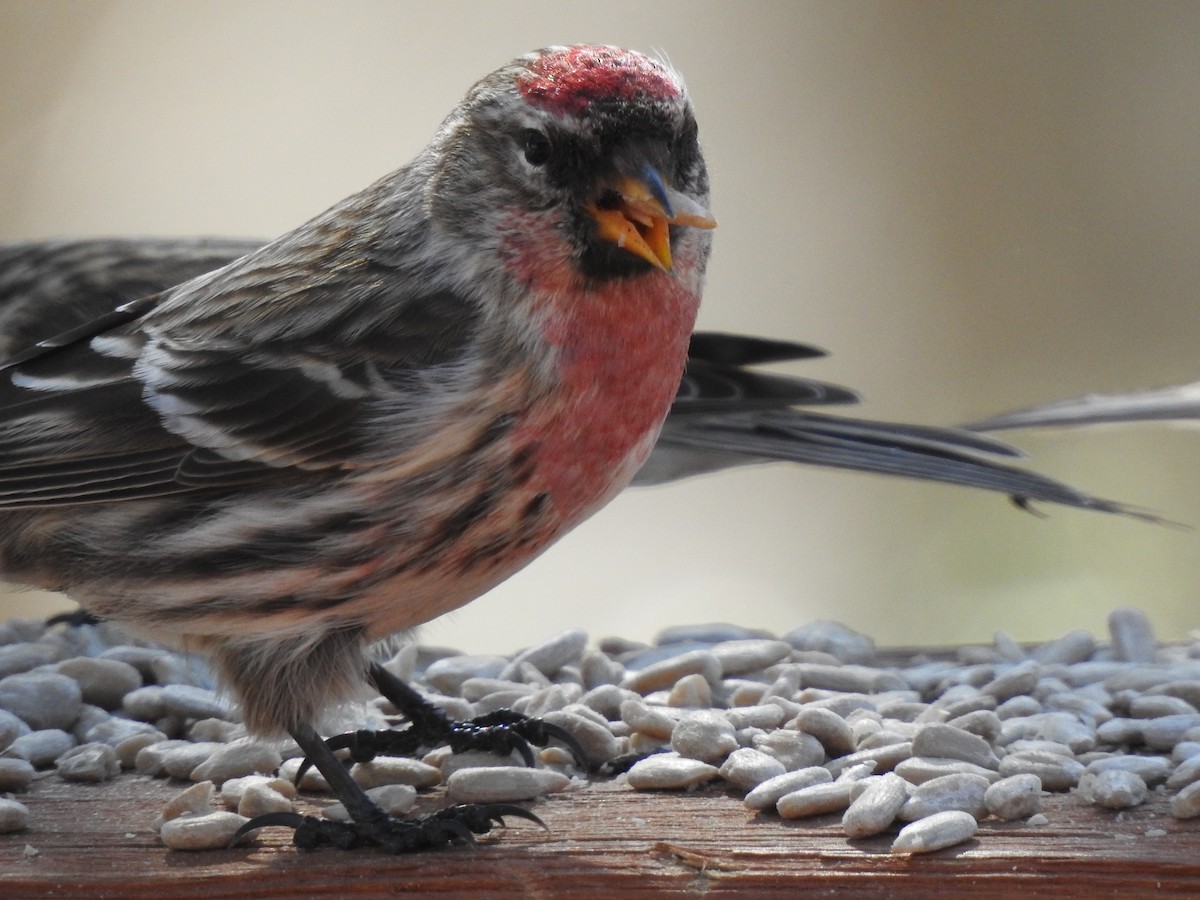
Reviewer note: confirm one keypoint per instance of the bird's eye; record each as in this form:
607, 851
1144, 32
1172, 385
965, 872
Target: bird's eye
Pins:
536, 147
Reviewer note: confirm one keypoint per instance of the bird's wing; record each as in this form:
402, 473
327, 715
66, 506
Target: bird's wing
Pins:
48, 288
150, 397
1179, 404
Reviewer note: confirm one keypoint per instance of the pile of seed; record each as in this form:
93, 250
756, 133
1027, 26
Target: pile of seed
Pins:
810, 723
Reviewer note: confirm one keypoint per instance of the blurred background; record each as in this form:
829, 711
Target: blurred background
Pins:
971, 206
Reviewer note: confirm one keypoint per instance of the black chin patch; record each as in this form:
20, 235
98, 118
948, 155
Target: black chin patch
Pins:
604, 261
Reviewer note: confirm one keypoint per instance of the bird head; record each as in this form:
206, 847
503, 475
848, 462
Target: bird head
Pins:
589, 154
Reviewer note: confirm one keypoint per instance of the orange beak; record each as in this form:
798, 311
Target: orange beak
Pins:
640, 219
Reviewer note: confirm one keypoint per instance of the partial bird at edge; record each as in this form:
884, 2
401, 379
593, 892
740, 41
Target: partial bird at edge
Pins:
1177, 404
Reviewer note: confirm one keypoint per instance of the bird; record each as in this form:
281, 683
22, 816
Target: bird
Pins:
379, 415
727, 412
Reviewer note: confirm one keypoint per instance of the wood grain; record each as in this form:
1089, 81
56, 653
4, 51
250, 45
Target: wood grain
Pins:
603, 840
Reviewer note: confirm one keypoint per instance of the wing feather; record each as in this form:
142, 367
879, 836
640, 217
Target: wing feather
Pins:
134, 402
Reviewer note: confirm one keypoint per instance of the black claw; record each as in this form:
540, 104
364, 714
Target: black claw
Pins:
495, 813
267, 820
503, 741
618, 765
550, 730
305, 765
522, 747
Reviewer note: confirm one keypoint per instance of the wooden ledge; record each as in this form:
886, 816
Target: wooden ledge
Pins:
604, 840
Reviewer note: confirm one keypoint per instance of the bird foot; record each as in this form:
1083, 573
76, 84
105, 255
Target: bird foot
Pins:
453, 825
501, 731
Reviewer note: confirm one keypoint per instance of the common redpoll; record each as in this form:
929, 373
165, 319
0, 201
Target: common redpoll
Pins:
383, 413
